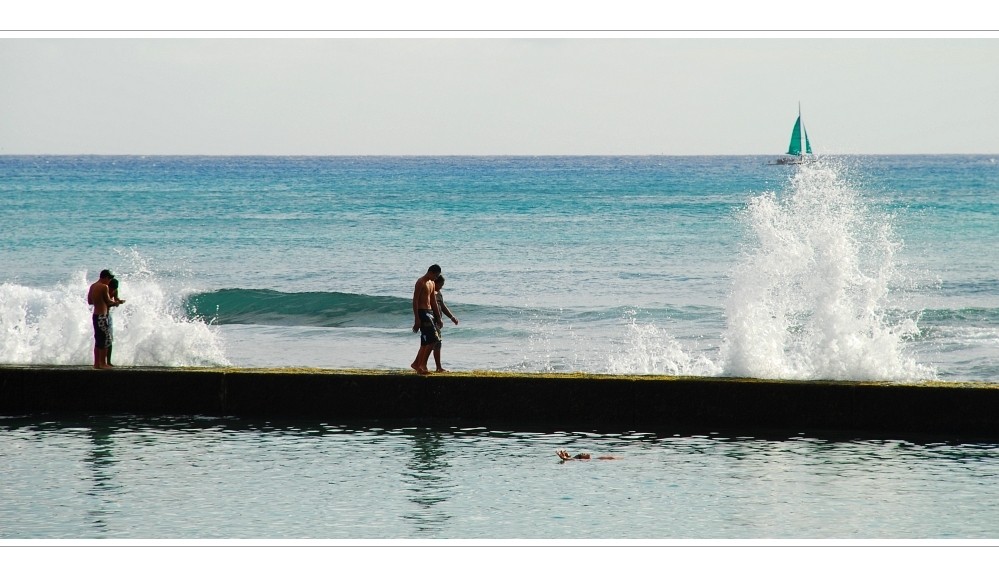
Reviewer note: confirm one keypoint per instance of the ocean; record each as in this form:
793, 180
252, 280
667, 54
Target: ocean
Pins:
846, 268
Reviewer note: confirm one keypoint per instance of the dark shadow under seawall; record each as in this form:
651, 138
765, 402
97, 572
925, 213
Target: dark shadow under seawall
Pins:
590, 402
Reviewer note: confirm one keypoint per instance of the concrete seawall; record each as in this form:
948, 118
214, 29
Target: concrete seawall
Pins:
628, 403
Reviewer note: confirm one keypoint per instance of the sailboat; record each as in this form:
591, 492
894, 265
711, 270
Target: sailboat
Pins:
800, 145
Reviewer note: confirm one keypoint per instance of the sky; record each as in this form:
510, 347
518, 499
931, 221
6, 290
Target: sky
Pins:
471, 95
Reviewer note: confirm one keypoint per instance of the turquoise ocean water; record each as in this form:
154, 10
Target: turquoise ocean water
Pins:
857, 267
877, 267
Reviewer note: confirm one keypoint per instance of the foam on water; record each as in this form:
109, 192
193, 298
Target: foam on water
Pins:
52, 325
650, 349
811, 295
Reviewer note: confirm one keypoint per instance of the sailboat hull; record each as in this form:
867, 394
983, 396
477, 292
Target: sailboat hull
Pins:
791, 160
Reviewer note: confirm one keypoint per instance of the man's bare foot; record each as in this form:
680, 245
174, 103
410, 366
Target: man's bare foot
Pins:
103, 367
418, 369
441, 370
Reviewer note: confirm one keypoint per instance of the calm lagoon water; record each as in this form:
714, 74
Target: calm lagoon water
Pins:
191, 478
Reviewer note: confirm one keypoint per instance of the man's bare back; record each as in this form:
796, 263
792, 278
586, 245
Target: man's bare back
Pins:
100, 297
424, 290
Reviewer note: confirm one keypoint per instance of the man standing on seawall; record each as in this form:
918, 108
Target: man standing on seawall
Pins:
100, 297
426, 312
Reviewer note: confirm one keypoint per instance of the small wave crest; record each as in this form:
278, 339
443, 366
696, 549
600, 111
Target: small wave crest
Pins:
243, 306
237, 306
967, 316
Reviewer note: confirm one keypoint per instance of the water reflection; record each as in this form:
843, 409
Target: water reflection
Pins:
427, 481
137, 477
101, 461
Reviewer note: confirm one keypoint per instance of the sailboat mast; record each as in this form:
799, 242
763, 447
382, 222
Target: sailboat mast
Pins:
801, 133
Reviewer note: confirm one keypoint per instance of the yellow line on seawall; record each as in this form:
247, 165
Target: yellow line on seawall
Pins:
546, 400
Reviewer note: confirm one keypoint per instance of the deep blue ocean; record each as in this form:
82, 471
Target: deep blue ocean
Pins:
878, 267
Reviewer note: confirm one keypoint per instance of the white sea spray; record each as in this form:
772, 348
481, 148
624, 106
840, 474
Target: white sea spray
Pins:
647, 348
811, 294
52, 325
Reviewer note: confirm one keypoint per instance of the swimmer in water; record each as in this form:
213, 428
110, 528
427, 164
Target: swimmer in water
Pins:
565, 456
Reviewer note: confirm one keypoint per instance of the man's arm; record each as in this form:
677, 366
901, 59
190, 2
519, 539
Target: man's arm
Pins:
433, 300
444, 310
416, 306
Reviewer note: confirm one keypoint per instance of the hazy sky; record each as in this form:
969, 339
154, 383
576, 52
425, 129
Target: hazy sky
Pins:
496, 96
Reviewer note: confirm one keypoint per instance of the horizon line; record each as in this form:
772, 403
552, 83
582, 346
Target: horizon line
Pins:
473, 155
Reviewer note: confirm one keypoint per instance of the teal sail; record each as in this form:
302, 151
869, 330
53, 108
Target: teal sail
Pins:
799, 135
800, 149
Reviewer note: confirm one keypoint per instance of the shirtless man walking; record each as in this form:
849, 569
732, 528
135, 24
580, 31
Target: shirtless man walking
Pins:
427, 314
100, 297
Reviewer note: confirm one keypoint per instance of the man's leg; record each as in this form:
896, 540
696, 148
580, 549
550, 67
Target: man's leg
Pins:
420, 364
416, 362
426, 358
437, 358
100, 358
